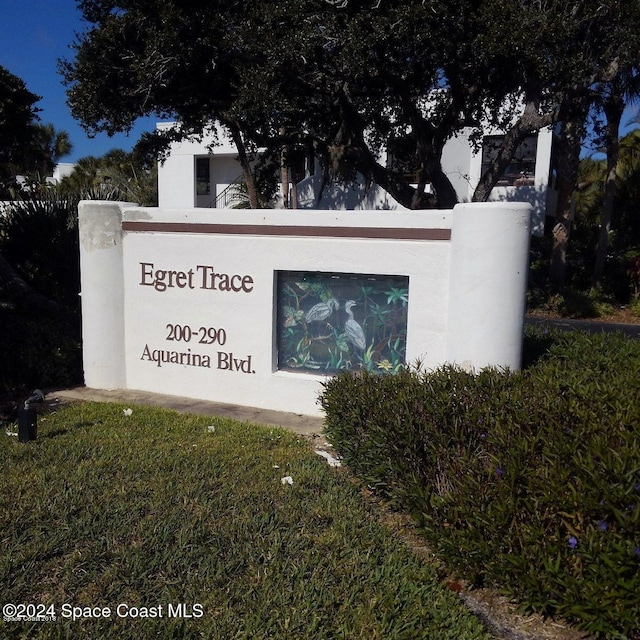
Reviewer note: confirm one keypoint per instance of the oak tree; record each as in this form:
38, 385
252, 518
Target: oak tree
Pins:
347, 78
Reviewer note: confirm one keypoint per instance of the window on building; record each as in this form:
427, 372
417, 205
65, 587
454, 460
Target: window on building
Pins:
300, 162
203, 177
522, 168
401, 156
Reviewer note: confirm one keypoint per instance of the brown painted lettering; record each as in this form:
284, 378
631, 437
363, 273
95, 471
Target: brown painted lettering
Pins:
147, 272
224, 281
246, 281
163, 279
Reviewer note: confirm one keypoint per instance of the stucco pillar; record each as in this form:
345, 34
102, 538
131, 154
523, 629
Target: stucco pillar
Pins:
488, 281
102, 291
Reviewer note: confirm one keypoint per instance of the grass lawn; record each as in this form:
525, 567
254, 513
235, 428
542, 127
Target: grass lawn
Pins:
141, 513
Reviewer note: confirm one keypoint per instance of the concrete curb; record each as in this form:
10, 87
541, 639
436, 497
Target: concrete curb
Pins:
304, 425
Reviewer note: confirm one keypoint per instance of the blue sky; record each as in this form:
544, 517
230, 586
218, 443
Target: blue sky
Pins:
34, 34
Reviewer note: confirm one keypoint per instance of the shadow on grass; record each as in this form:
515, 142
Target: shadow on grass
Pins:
537, 342
55, 433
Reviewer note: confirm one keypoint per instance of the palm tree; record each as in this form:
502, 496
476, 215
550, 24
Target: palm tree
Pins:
625, 217
622, 90
591, 177
49, 146
118, 175
629, 158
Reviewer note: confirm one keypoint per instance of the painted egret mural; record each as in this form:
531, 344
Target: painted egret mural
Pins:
354, 331
322, 310
329, 322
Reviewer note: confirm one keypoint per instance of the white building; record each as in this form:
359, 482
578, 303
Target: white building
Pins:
204, 175
62, 170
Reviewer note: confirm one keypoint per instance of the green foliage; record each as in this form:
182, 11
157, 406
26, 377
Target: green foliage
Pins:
117, 175
529, 481
349, 77
38, 350
27, 147
157, 508
619, 278
573, 303
48, 147
18, 114
39, 238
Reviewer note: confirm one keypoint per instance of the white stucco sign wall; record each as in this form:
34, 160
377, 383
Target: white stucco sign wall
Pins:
256, 308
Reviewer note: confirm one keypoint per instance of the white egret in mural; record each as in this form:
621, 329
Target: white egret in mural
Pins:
354, 331
322, 310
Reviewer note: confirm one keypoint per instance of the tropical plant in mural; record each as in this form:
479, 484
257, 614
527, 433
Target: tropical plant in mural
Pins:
332, 322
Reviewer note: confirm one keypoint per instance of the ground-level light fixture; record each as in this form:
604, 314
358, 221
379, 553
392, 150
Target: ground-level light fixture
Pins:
28, 417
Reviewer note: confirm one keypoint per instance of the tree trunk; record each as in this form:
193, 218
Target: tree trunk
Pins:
284, 173
362, 159
401, 191
567, 162
613, 108
243, 159
284, 183
490, 178
446, 196
529, 122
397, 186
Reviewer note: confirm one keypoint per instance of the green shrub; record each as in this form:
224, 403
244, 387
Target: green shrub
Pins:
529, 481
41, 345
39, 351
39, 238
573, 303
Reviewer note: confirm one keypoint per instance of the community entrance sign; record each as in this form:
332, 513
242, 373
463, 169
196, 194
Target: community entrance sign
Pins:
257, 308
